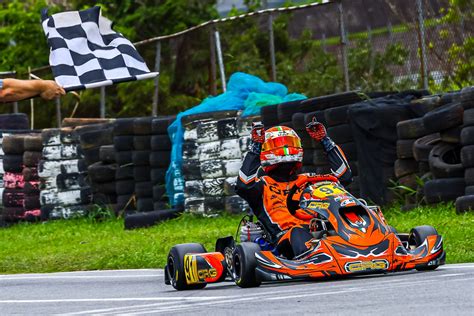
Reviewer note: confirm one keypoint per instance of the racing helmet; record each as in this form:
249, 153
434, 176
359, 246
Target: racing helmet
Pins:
281, 145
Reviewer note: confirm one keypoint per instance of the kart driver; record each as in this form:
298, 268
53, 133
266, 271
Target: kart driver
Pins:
278, 151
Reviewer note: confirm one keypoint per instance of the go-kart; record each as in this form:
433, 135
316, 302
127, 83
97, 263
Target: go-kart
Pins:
350, 238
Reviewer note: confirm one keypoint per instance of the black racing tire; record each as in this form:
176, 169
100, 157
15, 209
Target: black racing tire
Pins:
160, 159
142, 173
467, 136
124, 187
468, 117
159, 192
123, 126
125, 202
142, 142
71, 181
227, 128
340, 134
14, 121
444, 118
423, 167
269, 115
405, 167
32, 158
159, 125
123, 142
13, 163
405, 148
147, 219
124, 172
286, 110
444, 190
158, 175
190, 150
106, 188
416, 238
318, 115
469, 176
467, 97
13, 144
336, 116
450, 97
81, 122
176, 266
411, 129
423, 146
101, 172
145, 204
97, 138
33, 143
469, 190
142, 125
244, 264
465, 204
32, 202
13, 197
409, 181
329, 101
162, 142
51, 137
467, 156
452, 135
297, 120
444, 161
425, 105
143, 189
191, 169
141, 157
30, 174
124, 157
349, 150
91, 155
107, 153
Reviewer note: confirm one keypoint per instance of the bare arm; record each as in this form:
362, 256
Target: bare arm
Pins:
16, 90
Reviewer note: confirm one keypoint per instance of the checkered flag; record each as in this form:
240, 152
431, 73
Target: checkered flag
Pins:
87, 53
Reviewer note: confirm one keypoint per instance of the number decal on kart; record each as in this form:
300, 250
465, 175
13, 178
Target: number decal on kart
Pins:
190, 269
327, 190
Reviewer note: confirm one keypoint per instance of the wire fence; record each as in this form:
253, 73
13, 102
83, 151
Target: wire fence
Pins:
314, 49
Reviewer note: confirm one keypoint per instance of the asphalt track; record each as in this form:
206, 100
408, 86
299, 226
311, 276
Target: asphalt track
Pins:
447, 291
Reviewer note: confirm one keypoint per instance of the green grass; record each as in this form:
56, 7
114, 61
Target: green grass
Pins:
84, 244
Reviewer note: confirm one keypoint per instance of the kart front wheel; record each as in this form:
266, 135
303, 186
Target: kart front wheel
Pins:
175, 266
417, 236
244, 264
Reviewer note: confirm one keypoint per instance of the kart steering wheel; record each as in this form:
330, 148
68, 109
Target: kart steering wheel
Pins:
293, 205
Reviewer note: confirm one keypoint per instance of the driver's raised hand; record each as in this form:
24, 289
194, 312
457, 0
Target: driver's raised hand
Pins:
258, 132
316, 130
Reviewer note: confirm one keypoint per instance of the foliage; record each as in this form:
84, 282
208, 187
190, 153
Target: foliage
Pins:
99, 242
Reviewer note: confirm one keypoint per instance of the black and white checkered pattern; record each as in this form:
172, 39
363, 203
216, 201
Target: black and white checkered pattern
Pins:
87, 53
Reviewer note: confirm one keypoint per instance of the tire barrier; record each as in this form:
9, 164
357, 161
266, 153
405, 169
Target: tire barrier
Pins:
62, 170
213, 148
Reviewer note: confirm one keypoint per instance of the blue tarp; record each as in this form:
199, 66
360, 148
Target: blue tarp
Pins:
244, 92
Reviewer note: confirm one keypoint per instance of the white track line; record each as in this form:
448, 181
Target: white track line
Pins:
118, 299
52, 277
277, 296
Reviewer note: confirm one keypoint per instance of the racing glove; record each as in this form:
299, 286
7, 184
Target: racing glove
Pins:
317, 131
257, 136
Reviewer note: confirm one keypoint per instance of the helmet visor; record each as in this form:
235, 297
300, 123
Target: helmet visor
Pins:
282, 141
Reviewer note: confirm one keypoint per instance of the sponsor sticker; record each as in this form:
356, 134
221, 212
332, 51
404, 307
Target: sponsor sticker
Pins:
190, 269
359, 266
318, 205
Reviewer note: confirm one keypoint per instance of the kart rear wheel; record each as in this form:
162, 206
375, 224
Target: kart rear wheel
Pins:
417, 236
244, 263
175, 266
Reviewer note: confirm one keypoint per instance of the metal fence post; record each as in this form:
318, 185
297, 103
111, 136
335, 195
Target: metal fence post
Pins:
15, 107
212, 69
272, 46
220, 59
421, 38
390, 31
102, 102
156, 83
58, 111
345, 64
371, 46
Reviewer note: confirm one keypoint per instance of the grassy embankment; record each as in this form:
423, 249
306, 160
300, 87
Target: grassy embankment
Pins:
85, 244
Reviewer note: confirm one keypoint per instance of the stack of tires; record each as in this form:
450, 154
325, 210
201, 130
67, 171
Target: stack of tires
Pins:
99, 155
444, 160
62, 172
466, 202
212, 145
33, 145
160, 159
124, 175
141, 157
14, 193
